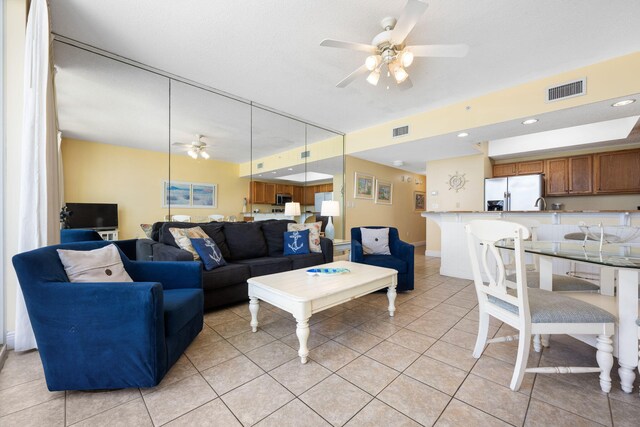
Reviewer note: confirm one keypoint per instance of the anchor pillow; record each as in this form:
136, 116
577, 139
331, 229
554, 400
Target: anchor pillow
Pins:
296, 242
209, 253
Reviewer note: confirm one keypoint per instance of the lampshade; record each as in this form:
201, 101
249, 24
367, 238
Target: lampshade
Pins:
373, 77
292, 209
330, 208
204, 155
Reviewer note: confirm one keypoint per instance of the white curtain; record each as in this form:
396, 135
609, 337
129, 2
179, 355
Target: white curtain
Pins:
39, 177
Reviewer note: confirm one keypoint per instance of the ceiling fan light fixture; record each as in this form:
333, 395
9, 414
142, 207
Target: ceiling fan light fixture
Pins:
204, 155
373, 77
192, 153
407, 58
399, 73
372, 62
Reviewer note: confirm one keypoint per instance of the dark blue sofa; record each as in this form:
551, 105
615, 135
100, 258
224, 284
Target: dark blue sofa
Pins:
401, 258
109, 335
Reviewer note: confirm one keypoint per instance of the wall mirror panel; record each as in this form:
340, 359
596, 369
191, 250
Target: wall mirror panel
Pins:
114, 124
210, 143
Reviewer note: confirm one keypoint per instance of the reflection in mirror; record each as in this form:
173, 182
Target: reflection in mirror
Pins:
114, 123
210, 141
277, 163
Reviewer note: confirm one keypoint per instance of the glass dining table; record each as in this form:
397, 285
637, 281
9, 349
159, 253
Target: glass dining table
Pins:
619, 277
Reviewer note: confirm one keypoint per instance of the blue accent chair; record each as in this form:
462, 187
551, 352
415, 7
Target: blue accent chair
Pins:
401, 258
71, 235
110, 335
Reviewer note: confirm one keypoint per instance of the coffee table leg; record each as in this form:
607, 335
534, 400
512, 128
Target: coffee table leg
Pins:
253, 308
391, 296
302, 331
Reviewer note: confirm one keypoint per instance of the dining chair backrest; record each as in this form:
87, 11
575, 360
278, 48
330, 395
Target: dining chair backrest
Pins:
181, 218
216, 217
494, 295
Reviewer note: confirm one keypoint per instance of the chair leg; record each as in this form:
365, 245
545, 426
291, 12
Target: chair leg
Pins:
544, 338
483, 333
604, 356
521, 361
537, 346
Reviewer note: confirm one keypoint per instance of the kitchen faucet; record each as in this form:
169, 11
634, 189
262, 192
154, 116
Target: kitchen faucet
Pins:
544, 203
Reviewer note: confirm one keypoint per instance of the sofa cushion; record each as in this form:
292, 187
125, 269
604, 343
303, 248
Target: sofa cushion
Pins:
183, 238
215, 231
296, 242
209, 253
387, 261
305, 260
267, 265
230, 274
273, 232
245, 240
180, 306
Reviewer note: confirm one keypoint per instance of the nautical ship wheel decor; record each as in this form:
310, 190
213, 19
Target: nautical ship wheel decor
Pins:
457, 181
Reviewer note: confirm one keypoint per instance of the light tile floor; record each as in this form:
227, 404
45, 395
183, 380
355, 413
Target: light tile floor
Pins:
365, 369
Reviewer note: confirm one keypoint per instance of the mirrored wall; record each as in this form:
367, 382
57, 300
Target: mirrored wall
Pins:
161, 147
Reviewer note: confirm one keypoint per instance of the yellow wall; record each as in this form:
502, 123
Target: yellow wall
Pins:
14, 23
133, 178
361, 212
471, 198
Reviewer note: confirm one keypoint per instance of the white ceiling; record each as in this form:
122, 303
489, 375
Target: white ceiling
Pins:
269, 52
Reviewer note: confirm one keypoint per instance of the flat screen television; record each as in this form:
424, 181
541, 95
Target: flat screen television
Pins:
99, 216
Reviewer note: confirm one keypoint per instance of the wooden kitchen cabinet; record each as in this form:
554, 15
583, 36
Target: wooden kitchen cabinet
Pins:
569, 176
581, 175
557, 177
257, 192
528, 168
284, 189
310, 195
505, 169
269, 193
297, 193
617, 172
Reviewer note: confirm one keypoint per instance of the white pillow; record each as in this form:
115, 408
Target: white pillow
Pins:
375, 241
314, 234
98, 265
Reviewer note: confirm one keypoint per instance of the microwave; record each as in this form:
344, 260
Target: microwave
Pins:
281, 199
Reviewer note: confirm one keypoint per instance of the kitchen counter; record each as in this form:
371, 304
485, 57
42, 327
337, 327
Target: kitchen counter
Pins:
263, 216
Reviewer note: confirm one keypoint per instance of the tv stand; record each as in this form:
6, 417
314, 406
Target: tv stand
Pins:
108, 234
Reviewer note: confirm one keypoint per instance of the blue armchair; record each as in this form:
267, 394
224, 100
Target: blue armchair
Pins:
71, 235
109, 335
401, 258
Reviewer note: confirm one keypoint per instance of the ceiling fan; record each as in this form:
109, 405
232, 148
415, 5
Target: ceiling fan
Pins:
195, 148
388, 48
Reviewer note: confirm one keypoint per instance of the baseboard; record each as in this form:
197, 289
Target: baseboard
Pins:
422, 243
11, 339
432, 253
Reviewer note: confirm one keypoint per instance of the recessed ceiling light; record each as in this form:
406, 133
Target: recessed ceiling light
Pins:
290, 169
274, 172
462, 134
398, 163
623, 103
530, 121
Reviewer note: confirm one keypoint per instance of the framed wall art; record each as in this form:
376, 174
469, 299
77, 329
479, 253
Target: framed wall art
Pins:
419, 200
384, 192
189, 195
363, 186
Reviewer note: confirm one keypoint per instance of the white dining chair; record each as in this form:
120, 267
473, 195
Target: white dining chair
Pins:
181, 218
216, 217
530, 311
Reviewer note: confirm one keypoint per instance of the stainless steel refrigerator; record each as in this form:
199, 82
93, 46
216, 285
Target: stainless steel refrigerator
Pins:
514, 193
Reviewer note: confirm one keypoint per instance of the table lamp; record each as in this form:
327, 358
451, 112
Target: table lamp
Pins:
330, 208
292, 209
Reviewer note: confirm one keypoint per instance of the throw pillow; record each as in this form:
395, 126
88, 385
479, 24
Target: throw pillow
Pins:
183, 238
98, 265
148, 229
209, 253
296, 242
314, 234
375, 241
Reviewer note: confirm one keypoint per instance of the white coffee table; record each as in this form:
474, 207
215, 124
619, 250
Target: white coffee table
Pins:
302, 295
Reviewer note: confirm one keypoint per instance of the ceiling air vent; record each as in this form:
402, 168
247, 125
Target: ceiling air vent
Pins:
567, 90
305, 154
401, 131
260, 165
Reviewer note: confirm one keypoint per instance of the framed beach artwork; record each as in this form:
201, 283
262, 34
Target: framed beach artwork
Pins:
176, 194
384, 192
419, 200
363, 186
189, 195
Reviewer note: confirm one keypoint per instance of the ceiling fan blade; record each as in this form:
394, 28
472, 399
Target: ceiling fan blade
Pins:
349, 45
351, 77
442, 50
406, 84
410, 15
181, 144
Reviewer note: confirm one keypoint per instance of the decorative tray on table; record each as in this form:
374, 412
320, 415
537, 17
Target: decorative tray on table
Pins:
326, 271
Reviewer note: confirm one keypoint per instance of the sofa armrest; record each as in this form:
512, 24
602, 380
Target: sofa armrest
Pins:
162, 252
402, 250
144, 249
113, 331
327, 249
129, 248
172, 274
357, 254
